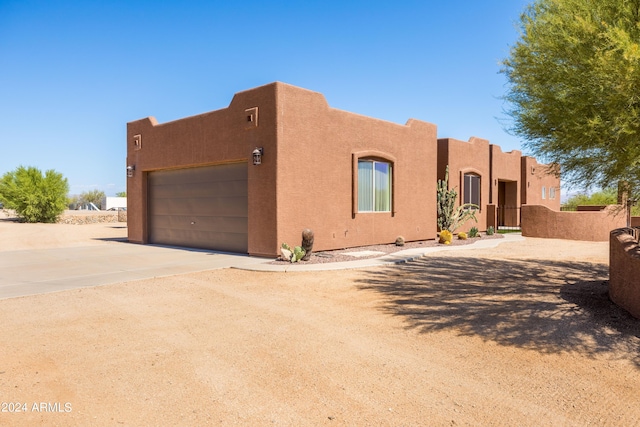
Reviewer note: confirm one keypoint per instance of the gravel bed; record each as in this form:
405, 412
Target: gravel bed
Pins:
324, 257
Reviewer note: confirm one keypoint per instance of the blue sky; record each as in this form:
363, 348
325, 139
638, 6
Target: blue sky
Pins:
73, 73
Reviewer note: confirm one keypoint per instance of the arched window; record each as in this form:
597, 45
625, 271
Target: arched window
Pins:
374, 186
471, 189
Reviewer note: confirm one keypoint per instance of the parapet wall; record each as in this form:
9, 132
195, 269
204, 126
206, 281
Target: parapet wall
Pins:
540, 221
624, 270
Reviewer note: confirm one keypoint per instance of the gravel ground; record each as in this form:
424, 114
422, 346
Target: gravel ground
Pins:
324, 257
521, 334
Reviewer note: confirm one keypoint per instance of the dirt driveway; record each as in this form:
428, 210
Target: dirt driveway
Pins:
522, 334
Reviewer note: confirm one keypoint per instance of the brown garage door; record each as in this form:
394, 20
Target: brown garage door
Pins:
204, 207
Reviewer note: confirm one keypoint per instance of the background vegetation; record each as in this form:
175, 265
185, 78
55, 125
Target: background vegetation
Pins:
36, 197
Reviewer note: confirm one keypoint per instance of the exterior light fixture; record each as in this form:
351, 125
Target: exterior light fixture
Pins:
130, 170
257, 155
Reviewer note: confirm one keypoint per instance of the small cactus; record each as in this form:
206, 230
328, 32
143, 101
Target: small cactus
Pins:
490, 230
462, 235
307, 243
473, 232
298, 253
445, 237
399, 241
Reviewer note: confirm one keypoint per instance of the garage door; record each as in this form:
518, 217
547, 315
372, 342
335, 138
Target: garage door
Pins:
203, 207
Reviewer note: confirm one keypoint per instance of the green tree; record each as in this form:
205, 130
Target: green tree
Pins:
599, 198
608, 196
574, 88
121, 194
34, 196
93, 196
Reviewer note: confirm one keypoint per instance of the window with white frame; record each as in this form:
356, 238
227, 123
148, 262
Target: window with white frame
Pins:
374, 186
544, 192
471, 189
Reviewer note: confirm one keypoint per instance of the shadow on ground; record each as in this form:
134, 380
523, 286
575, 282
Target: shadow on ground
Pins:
547, 306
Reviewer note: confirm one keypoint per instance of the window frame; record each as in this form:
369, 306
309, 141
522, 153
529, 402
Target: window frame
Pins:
378, 156
468, 189
375, 192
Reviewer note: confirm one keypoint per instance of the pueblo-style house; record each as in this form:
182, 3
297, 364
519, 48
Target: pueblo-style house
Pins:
279, 159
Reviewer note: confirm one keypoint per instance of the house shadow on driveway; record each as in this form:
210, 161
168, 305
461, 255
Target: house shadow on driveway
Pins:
547, 306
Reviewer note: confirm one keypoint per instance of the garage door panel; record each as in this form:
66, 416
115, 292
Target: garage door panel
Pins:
219, 173
204, 207
234, 225
219, 241
193, 190
210, 206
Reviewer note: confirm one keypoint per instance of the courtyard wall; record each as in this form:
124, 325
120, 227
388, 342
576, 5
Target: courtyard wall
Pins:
624, 270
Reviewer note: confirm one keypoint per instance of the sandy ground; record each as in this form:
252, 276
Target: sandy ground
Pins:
518, 335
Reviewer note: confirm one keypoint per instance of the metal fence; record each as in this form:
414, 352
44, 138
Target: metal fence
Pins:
508, 217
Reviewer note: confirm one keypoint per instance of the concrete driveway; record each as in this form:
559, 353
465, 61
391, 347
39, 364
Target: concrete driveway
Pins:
29, 272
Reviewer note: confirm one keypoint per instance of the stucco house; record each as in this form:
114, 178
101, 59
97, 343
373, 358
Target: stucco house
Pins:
469, 173
279, 159
498, 183
353, 180
540, 184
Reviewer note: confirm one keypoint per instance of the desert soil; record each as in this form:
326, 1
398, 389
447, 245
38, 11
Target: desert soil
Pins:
522, 334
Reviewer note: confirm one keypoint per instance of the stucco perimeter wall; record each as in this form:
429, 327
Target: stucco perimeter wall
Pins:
318, 148
466, 157
624, 271
540, 221
217, 137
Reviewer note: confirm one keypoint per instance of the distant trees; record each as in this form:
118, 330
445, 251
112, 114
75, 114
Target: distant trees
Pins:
34, 196
93, 196
608, 196
600, 198
121, 194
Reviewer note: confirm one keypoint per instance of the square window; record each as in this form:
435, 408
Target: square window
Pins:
137, 142
251, 118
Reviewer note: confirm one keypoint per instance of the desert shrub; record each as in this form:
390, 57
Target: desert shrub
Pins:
473, 232
34, 196
490, 231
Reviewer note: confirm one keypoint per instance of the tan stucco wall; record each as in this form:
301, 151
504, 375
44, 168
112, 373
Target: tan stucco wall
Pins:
306, 176
318, 148
540, 221
534, 177
466, 157
505, 167
218, 137
624, 271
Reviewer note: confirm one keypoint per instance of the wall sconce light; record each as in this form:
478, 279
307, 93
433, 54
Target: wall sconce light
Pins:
257, 155
130, 170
